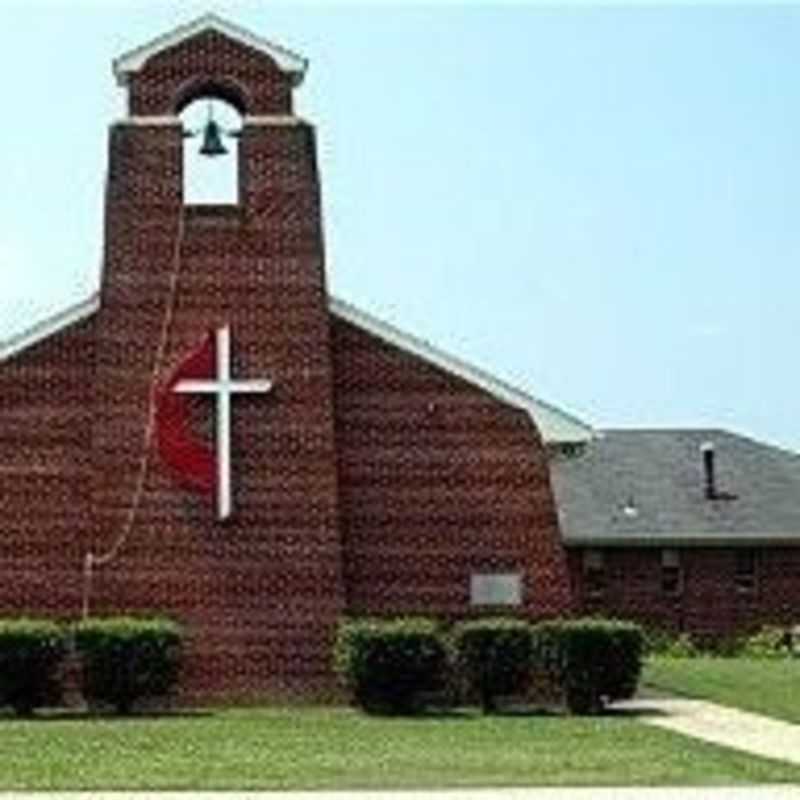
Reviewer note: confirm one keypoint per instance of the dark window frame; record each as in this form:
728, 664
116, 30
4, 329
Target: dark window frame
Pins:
672, 575
595, 572
745, 574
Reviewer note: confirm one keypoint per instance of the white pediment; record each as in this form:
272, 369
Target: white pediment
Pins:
131, 62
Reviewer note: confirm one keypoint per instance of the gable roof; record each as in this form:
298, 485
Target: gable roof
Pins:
659, 475
556, 426
132, 61
49, 326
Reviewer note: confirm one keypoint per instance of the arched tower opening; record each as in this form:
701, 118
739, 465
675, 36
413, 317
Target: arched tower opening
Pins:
212, 168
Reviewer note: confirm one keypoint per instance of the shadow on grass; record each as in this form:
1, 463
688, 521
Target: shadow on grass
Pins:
531, 711
633, 712
85, 715
443, 714
468, 713
652, 690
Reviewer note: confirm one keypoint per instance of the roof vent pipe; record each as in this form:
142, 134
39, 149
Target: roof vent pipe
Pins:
707, 449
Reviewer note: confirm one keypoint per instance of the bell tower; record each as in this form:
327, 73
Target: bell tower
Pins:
260, 593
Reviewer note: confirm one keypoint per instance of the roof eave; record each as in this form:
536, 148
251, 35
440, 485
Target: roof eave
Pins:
556, 426
49, 327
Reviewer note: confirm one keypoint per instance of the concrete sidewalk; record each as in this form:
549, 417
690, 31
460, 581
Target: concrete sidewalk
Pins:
567, 793
776, 792
731, 727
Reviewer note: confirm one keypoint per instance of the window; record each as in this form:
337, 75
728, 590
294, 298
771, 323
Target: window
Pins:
594, 572
746, 577
671, 573
496, 589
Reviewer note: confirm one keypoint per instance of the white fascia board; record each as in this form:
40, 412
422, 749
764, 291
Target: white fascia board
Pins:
556, 426
49, 326
132, 61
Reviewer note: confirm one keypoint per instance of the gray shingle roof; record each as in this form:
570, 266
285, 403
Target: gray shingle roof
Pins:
660, 474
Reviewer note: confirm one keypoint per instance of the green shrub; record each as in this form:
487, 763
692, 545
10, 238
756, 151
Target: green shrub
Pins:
667, 644
127, 659
771, 641
493, 657
390, 664
657, 641
592, 660
729, 646
31, 652
682, 646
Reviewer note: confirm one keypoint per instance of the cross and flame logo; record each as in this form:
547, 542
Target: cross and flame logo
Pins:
207, 371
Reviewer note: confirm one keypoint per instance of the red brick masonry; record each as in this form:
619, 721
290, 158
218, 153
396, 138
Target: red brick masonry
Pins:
709, 603
368, 481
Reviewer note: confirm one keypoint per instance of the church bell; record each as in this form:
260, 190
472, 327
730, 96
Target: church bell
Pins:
212, 140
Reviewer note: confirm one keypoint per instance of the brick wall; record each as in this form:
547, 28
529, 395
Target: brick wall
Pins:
710, 605
45, 468
241, 75
437, 480
367, 480
261, 592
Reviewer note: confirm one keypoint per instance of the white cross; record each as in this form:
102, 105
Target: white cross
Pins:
224, 387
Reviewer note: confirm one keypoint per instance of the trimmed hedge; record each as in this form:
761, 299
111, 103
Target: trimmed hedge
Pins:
390, 664
31, 652
594, 661
770, 641
494, 658
126, 659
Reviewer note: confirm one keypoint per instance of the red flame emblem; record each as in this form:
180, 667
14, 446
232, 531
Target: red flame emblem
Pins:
191, 460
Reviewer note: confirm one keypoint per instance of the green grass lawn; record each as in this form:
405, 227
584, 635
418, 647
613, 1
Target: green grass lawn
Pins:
338, 748
767, 686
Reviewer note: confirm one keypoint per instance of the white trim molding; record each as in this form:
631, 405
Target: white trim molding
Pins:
273, 120
556, 426
49, 326
131, 62
145, 121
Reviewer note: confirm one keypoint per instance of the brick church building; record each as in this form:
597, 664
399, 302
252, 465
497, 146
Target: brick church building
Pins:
212, 436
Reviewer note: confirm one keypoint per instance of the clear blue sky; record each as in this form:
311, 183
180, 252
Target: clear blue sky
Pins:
600, 204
